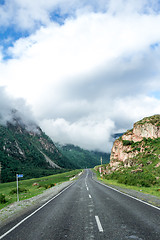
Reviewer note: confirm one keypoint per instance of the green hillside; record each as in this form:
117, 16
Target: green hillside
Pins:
81, 158
25, 151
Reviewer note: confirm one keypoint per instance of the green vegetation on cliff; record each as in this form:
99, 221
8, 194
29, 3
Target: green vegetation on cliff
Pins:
155, 120
143, 169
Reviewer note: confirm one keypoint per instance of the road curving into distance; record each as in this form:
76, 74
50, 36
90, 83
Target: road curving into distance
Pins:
87, 210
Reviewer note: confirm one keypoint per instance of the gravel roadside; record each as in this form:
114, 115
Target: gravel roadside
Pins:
14, 210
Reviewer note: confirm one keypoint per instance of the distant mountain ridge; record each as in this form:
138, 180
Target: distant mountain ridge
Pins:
117, 135
82, 158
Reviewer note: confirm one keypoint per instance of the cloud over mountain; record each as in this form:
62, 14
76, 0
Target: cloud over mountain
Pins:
15, 109
86, 69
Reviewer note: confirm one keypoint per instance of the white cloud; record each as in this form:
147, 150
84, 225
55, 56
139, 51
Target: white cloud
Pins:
91, 76
28, 14
11, 107
96, 130
128, 110
87, 134
58, 54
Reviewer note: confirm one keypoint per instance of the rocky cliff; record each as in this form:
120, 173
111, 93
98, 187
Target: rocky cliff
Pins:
136, 152
131, 143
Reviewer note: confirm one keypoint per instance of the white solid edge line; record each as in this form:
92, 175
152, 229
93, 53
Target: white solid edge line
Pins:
2, 236
99, 224
128, 195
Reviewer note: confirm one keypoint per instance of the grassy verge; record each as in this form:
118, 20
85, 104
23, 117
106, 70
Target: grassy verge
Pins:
31, 187
153, 190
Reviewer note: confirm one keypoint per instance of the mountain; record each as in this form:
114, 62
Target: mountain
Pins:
81, 158
135, 156
27, 150
133, 141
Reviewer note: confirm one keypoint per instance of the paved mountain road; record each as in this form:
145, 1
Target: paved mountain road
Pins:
88, 210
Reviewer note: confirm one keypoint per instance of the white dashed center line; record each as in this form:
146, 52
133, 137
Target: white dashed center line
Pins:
90, 196
99, 224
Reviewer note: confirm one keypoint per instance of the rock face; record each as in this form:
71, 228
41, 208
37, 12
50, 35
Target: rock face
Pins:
124, 147
147, 130
120, 152
135, 156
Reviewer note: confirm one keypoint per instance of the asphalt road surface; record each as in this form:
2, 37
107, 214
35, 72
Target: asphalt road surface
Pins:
87, 210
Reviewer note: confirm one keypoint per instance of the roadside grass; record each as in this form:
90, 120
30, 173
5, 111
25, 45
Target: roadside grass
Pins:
153, 190
31, 187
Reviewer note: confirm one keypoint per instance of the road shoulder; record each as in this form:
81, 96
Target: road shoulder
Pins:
16, 209
151, 199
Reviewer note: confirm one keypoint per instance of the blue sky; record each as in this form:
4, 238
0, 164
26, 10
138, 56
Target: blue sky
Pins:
85, 69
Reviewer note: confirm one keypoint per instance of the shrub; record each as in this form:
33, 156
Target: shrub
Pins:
47, 185
20, 190
127, 142
138, 149
2, 198
142, 179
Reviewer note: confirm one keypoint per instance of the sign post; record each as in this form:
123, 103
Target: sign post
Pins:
18, 176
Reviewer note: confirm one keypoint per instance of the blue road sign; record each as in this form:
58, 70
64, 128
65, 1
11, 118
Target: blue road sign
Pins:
19, 175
